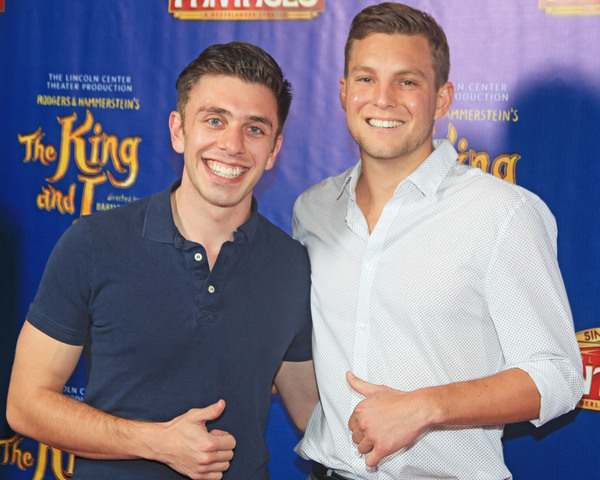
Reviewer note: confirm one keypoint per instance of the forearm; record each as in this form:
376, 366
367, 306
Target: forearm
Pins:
296, 383
507, 397
37, 408
62, 422
388, 420
301, 407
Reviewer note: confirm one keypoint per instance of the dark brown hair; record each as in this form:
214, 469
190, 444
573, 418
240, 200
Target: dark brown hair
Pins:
244, 61
393, 18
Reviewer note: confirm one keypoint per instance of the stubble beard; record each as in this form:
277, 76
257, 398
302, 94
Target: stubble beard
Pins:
392, 151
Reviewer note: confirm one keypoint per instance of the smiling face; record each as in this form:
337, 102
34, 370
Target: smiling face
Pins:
228, 138
390, 98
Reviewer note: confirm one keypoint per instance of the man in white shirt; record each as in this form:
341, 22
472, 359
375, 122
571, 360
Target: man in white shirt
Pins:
439, 311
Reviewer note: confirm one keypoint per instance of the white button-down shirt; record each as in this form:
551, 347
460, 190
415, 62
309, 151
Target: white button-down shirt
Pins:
458, 280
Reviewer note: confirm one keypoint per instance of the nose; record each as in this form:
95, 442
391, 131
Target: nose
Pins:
384, 95
231, 141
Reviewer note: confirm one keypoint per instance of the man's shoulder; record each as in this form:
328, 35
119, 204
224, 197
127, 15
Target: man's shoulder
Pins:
498, 194
279, 239
492, 185
122, 213
116, 224
324, 191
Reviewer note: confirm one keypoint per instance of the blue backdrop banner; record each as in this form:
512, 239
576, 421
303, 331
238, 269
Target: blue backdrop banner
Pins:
86, 89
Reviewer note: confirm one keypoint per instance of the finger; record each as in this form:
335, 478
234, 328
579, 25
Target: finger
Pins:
216, 456
361, 386
353, 422
357, 436
223, 440
203, 415
211, 471
364, 446
374, 458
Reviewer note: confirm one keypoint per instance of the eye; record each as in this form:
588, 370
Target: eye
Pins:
255, 129
214, 121
365, 79
408, 83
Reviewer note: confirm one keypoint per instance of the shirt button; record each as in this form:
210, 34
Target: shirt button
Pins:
198, 257
211, 289
362, 326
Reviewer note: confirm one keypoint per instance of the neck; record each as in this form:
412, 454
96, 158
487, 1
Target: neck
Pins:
208, 225
378, 182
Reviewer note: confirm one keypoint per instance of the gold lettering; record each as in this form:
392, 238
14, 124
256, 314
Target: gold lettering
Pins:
480, 160
68, 136
87, 198
57, 462
95, 141
452, 134
28, 459
36, 150
462, 155
505, 167
110, 145
104, 150
52, 198
128, 153
6, 443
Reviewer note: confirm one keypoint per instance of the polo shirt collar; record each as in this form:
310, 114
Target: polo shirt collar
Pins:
248, 229
427, 177
158, 220
159, 225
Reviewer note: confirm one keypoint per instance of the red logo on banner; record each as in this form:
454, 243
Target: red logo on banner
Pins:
1, 6
246, 9
570, 7
589, 344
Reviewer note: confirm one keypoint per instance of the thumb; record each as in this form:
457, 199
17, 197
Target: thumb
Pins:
203, 415
361, 386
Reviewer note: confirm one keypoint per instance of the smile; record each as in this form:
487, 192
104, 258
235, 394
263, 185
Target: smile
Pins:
374, 122
223, 170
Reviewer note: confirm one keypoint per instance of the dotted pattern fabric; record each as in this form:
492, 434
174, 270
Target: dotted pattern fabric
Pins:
458, 280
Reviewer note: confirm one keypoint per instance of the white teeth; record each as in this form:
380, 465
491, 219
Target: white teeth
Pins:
223, 170
374, 122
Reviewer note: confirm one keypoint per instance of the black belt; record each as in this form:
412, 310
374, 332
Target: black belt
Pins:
324, 473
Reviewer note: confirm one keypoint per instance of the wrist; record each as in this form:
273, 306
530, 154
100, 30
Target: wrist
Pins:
435, 412
141, 439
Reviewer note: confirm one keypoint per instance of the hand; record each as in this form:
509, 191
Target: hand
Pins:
187, 446
386, 420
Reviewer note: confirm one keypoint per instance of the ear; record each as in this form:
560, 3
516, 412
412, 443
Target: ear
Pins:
343, 92
445, 96
176, 128
274, 152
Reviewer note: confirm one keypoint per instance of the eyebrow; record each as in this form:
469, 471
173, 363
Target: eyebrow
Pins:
227, 113
406, 71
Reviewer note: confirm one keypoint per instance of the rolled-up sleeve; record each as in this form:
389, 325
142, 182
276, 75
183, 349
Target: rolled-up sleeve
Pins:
530, 309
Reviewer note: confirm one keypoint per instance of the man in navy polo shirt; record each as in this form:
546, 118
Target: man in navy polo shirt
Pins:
188, 305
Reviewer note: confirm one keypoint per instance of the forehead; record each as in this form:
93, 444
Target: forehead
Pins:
382, 49
232, 94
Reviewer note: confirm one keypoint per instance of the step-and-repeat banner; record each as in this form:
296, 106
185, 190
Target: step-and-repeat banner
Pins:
85, 94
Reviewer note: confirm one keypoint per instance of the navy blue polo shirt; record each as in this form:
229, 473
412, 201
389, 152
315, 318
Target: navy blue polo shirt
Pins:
162, 333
